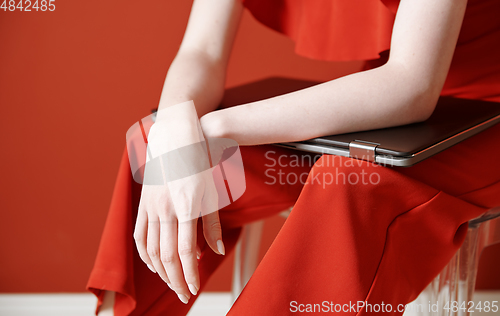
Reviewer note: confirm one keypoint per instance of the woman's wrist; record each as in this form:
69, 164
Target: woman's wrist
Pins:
175, 127
213, 126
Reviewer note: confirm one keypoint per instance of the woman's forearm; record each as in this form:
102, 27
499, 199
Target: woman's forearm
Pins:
198, 71
402, 91
193, 75
377, 98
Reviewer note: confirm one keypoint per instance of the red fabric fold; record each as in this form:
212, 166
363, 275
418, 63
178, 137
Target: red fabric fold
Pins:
106, 273
339, 30
329, 29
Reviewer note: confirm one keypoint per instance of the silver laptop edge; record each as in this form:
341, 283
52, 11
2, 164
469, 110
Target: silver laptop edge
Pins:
363, 150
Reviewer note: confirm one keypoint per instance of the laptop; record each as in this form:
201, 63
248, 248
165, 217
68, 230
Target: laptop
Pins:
453, 121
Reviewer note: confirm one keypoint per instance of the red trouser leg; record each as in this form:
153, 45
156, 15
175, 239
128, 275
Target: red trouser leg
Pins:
347, 241
118, 267
379, 242
342, 242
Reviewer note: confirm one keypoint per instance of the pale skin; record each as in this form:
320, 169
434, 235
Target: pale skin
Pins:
402, 91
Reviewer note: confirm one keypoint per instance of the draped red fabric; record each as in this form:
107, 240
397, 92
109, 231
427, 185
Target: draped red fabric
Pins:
329, 29
391, 4
345, 241
339, 30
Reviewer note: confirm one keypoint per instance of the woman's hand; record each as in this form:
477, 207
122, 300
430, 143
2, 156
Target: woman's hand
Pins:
165, 231
178, 188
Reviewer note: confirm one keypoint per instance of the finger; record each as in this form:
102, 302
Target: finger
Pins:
211, 224
187, 254
153, 248
213, 232
140, 237
170, 259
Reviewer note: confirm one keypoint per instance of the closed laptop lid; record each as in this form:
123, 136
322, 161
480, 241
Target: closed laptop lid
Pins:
451, 117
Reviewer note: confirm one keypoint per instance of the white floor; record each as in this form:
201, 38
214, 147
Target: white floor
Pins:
208, 304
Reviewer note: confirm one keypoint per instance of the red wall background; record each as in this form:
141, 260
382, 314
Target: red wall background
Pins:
71, 83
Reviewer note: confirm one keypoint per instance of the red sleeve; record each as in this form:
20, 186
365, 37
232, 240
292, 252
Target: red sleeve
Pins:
339, 30
391, 4
335, 30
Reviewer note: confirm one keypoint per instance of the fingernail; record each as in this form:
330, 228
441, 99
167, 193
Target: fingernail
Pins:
183, 298
220, 247
151, 268
193, 289
198, 254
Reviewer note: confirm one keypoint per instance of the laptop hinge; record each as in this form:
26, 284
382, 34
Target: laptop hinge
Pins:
362, 150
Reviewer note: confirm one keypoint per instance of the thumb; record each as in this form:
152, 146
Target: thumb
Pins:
211, 224
213, 233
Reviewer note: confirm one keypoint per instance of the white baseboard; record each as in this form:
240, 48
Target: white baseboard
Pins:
211, 304
83, 304
56, 304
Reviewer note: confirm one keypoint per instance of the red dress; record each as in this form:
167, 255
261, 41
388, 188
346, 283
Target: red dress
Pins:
343, 242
